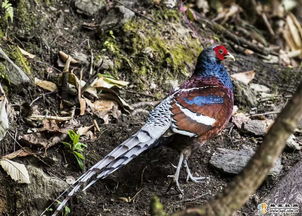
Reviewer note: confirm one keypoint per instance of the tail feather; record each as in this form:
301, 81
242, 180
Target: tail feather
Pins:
120, 156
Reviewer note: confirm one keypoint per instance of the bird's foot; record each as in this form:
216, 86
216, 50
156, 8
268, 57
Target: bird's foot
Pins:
175, 181
175, 177
195, 179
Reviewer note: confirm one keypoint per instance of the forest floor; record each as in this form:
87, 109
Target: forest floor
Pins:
131, 44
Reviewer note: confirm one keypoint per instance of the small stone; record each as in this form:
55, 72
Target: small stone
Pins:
233, 161
89, 7
83, 58
239, 119
117, 15
105, 63
258, 127
259, 88
292, 143
244, 95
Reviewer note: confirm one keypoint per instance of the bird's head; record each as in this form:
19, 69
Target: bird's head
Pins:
209, 64
217, 53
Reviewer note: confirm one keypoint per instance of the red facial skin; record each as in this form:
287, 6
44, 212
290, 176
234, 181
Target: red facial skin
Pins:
220, 52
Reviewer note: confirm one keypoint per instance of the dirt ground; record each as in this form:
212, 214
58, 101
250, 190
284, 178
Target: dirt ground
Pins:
129, 190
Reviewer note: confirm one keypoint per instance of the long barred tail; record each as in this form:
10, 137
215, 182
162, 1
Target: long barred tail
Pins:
120, 156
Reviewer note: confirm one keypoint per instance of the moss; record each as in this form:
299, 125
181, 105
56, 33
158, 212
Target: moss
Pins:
25, 17
3, 72
19, 59
1, 34
147, 52
167, 14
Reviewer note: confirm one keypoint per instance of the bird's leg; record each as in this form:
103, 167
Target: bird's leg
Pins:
176, 175
196, 179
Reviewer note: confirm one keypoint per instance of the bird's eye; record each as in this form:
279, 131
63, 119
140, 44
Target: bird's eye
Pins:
220, 51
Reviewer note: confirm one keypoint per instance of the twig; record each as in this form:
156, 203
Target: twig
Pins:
266, 113
140, 111
56, 118
144, 103
139, 93
238, 40
193, 199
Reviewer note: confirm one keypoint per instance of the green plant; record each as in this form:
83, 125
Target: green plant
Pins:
76, 148
8, 10
66, 210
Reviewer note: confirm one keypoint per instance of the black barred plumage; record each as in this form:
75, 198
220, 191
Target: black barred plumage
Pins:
199, 109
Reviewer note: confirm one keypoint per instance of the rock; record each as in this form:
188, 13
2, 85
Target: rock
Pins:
13, 72
33, 198
105, 63
233, 161
89, 7
83, 58
257, 127
244, 94
292, 143
117, 15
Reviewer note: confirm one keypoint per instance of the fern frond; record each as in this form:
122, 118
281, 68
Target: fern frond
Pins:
8, 10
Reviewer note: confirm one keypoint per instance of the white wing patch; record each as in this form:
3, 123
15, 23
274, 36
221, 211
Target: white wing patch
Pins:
182, 132
202, 119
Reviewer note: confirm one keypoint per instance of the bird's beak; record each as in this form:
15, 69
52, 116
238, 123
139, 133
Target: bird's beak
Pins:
230, 56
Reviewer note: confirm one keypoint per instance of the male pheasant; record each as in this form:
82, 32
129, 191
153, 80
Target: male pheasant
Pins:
198, 110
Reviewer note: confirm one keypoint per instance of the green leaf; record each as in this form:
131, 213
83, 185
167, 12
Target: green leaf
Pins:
80, 161
79, 155
9, 10
67, 211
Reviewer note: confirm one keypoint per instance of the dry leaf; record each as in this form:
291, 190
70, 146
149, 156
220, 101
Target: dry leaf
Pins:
4, 123
82, 106
52, 126
16, 171
19, 153
41, 140
105, 82
83, 130
63, 56
27, 54
47, 85
104, 108
239, 119
244, 77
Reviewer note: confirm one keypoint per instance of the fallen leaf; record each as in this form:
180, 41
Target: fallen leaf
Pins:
41, 140
19, 153
82, 106
16, 171
47, 85
244, 77
27, 54
52, 126
63, 56
106, 82
239, 119
104, 108
83, 130
4, 122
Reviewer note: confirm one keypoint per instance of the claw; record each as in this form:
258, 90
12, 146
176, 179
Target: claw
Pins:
195, 179
175, 177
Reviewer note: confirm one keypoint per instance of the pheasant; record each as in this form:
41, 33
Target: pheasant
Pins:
195, 112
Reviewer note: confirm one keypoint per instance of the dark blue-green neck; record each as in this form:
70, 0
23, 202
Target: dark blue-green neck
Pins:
208, 67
